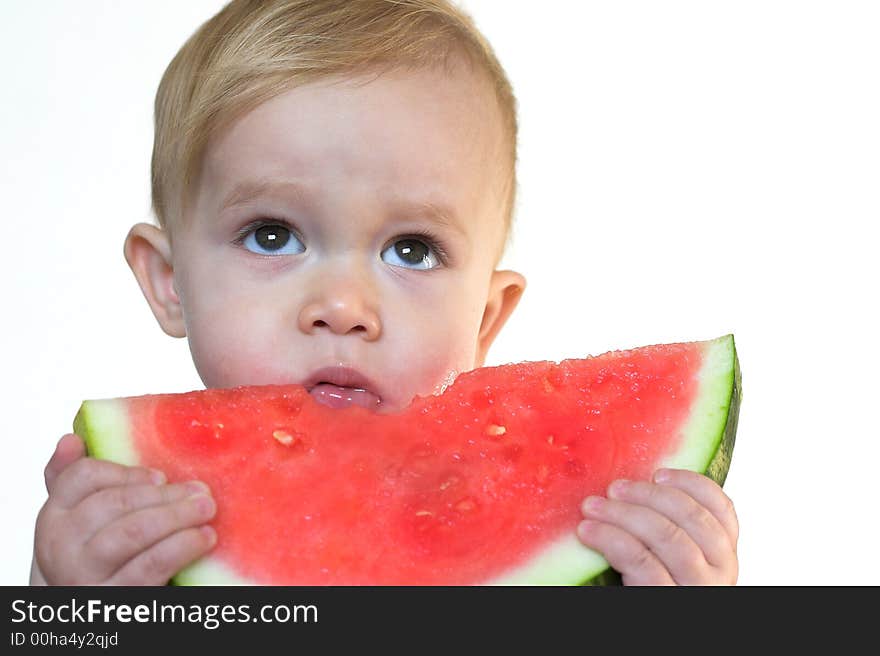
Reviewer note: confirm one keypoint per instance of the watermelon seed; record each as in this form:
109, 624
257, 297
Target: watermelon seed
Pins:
549, 439
494, 429
465, 505
283, 437
424, 513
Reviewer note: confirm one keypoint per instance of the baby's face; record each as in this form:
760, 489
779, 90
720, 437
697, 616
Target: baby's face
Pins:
344, 226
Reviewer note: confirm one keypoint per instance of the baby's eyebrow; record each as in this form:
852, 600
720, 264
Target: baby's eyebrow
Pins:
440, 215
245, 191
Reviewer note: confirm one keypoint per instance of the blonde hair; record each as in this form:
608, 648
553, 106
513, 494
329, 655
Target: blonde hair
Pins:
254, 50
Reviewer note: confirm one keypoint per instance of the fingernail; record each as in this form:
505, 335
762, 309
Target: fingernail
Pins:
593, 504
204, 504
157, 477
196, 487
617, 488
210, 535
585, 528
662, 476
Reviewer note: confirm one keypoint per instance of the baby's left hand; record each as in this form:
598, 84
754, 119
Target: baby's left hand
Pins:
681, 529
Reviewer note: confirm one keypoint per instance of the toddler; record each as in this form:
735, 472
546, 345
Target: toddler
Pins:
334, 182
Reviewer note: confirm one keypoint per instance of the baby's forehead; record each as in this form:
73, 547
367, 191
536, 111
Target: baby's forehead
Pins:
417, 137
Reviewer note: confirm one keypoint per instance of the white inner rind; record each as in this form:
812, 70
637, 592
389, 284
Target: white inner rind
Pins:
704, 429
103, 424
565, 562
210, 571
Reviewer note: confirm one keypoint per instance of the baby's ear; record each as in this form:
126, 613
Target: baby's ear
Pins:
148, 253
505, 290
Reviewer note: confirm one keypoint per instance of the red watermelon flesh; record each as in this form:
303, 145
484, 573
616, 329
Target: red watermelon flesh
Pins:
480, 484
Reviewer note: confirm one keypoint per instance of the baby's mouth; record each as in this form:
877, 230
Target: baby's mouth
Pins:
340, 387
336, 396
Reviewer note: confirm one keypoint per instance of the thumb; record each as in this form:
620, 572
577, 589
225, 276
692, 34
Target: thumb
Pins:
69, 449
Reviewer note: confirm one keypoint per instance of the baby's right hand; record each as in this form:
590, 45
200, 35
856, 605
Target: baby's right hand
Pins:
108, 524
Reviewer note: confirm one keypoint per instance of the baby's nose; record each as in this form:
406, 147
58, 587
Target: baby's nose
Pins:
343, 312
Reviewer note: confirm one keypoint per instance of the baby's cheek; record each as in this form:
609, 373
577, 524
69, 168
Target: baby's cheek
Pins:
227, 353
436, 363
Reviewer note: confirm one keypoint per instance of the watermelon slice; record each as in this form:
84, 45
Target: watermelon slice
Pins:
481, 484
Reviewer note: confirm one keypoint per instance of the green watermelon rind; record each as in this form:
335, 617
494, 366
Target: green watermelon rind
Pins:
708, 438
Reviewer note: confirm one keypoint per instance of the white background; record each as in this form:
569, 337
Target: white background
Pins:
688, 169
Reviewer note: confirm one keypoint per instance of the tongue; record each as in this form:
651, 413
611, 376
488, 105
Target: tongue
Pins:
342, 397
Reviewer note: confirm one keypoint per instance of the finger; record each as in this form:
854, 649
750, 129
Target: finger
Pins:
674, 548
166, 558
625, 553
707, 493
105, 506
69, 449
683, 511
121, 541
87, 475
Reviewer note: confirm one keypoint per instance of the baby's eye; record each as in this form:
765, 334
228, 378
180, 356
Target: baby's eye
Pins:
411, 253
272, 239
